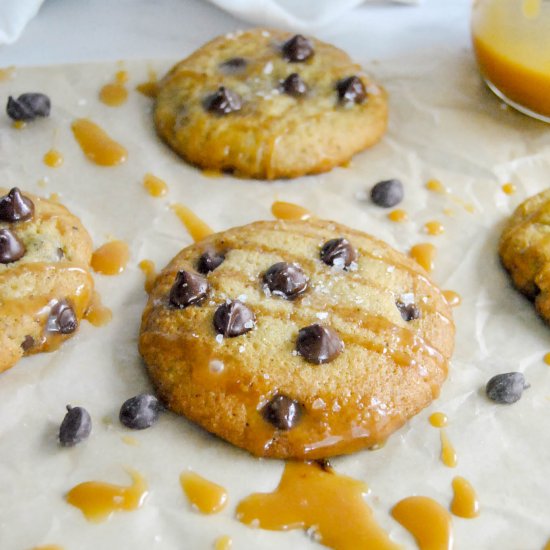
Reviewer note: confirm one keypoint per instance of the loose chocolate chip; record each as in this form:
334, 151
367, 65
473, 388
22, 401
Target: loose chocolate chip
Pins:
338, 252
233, 319
28, 106
233, 65
62, 318
283, 412
286, 280
318, 344
15, 207
188, 289
76, 426
387, 193
351, 90
11, 247
223, 102
297, 49
27, 343
293, 85
209, 261
409, 312
140, 412
326, 465
506, 388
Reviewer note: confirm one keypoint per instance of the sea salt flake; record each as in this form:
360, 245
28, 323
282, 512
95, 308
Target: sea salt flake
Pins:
318, 404
322, 315
242, 298
268, 68
219, 338
249, 324
216, 365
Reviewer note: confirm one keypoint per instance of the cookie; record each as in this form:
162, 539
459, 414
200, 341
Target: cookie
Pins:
525, 250
45, 283
267, 104
296, 339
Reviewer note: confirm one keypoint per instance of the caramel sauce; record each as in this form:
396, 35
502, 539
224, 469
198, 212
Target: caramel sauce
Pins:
289, 211
97, 314
155, 186
48, 547
129, 440
434, 228
464, 503
398, 215
547, 358
436, 186
98, 500
547, 546
448, 212
149, 88
424, 255
310, 498
427, 521
509, 188
19, 124
7, 73
448, 453
96, 144
211, 173
110, 258
223, 543
115, 93
205, 496
452, 298
196, 227
438, 420
148, 268
54, 197
53, 158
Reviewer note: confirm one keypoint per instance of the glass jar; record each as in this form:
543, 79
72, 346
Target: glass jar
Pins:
512, 45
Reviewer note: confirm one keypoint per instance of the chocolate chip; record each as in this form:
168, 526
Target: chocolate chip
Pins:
233, 319
140, 412
28, 106
11, 247
76, 426
297, 49
286, 280
318, 344
338, 252
351, 90
209, 261
188, 289
15, 207
293, 85
506, 388
387, 193
409, 312
223, 102
28, 343
283, 412
233, 65
62, 318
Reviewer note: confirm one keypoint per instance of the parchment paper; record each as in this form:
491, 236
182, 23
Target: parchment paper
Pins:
444, 125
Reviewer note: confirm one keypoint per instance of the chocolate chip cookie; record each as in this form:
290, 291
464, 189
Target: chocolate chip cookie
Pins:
289, 338
267, 104
45, 283
525, 250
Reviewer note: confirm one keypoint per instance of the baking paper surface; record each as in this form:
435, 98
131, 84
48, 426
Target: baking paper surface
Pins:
444, 125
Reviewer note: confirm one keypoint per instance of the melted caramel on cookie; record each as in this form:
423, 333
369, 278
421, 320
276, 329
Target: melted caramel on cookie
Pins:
97, 314
207, 497
465, 503
453, 298
196, 227
289, 211
150, 87
427, 521
111, 258
424, 255
98, 500
155, 186
115, 93
148, 268
96, 144
53, 158
329, 504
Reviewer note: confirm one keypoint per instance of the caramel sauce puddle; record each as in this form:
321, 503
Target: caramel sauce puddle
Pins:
310, 498
155, 186
427, 521
424, 255
96, 144
464, 503
53, 158
197, 228
110, 258
98, 500
115, 93
207, 497
148, 268
97, 314
289, 211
